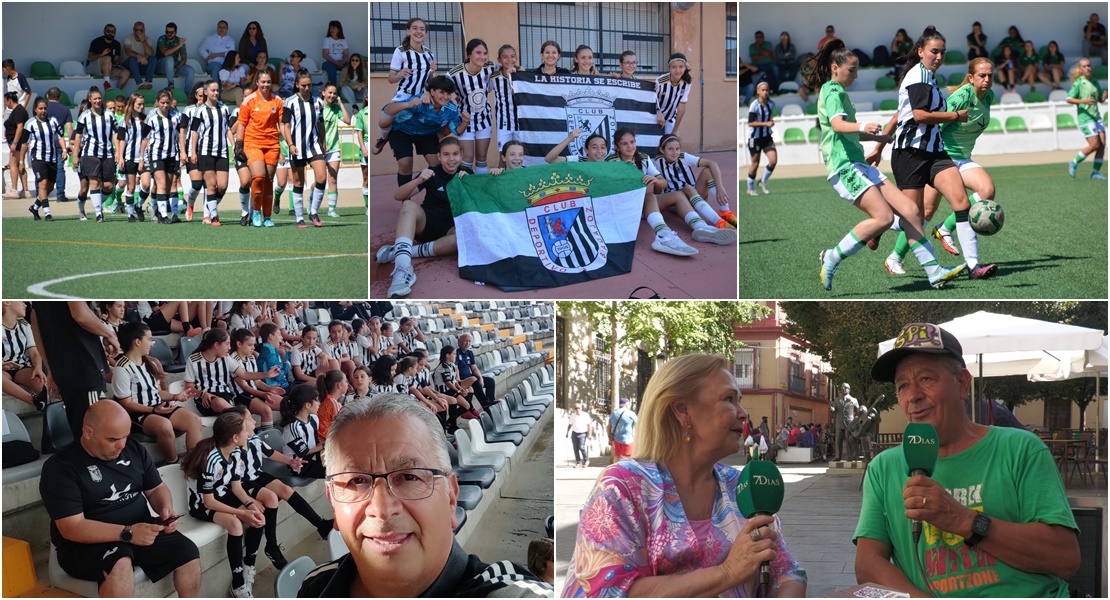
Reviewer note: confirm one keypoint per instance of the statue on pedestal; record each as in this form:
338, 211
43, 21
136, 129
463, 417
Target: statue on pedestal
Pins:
845, 410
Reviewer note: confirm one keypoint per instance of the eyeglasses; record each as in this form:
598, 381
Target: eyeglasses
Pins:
171, 32
630, 62
404, 484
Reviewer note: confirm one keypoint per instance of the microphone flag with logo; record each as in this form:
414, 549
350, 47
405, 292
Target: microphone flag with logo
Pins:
760, 491
920, 447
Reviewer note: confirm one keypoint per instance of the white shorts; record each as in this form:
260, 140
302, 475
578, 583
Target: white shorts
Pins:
1092, 129
284, 163
966, 164
504, 135
400, 96
477, 135
852, 182
668, 127
331, 156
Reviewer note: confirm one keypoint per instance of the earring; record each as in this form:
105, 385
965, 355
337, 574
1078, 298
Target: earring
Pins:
686, 434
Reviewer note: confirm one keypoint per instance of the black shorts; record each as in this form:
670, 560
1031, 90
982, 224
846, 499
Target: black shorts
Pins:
263, 480
91, 561
300, 163
45, 170
435, 227
137, 419
761, 144
103, 169
157, 321
240, 165
206, 515
130, 167
913, 168
402, 144
233, 399
170, 166
212, 163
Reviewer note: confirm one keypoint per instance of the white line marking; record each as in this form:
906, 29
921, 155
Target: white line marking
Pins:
40, 288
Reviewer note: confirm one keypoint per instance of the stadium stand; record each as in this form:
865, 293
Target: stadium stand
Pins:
512, 342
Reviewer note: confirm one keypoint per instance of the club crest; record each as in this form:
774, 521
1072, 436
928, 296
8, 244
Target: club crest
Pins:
94, 472
562, 225
593, 112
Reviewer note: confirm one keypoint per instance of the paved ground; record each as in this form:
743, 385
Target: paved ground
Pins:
709, 275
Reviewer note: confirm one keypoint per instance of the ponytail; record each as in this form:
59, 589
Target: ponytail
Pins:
406, 44
834, 51
913, 58
972, 67
327, 383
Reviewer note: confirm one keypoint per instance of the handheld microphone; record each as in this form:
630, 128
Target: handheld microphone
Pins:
760, 491
920, 447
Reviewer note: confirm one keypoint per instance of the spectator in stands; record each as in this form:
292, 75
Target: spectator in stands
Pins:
96, 492
1052, 66
244, 314
408, 333
23, 376
172, 57
806, 67
746, 80
900, 47
580, 429
251, 42
1006, 67
74, 342
139, 56
360, 388
233, 77
352, 80
154, 410
346, 310
385, 341
217, 376
484, 385
15, 81
105, 54
621, 429
541, 559
1094, 38
16, 133
830, 35
763, 56
400, 533
174, 317
1013, 40
242, 343
336, 53
1029, 60
301, 428
308, 359
382, 374
786, 58
976, 42
289, 72
260, 64
331, 389
215, 48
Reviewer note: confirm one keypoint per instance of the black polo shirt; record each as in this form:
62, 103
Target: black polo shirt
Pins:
75, 355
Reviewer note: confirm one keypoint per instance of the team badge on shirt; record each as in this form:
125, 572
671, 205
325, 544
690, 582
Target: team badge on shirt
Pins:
591, 111
94, 472
561, 222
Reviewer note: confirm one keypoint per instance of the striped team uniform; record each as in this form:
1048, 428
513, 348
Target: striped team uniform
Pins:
668, 97
97, 151
507, 125
444, 374
647, 166
131, 134
308, 359
408, 339
300, 437
382, 388
402, 383
216, 377
250, 463
290, 325
210, 123
383, 345
918, 90
216, 479
680, 173
17, 342
44, 149
342, 350
133, 380
248, 363
184, 131
161, 132
473, 96
303, 117
421, 64
760, 138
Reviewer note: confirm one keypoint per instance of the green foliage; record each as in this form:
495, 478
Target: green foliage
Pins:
670, 328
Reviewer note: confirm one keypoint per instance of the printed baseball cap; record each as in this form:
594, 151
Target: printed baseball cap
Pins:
916, 337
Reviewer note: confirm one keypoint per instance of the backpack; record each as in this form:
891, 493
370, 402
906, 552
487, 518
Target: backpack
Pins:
19, 452
864, 59
882, 56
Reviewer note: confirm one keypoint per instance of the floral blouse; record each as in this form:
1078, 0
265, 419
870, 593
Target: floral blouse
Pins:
633, 525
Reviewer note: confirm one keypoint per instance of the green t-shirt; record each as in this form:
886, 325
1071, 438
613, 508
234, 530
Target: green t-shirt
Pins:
1053, 59
332, 115
959, 138
1028, 59
1085, 88
839, 150
904, 48
1008, 475
971, 40
361, 125
164, 43
753, 49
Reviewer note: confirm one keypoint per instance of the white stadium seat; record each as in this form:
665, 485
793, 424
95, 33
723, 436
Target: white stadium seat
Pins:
1011, 98
792, 110
71, 69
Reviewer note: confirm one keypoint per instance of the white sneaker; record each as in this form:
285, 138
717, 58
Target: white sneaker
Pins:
894, 266
249, 571
668, 242
243, 591
333, 214
403, 280
712, 235
752, 192
384, 254
763, 186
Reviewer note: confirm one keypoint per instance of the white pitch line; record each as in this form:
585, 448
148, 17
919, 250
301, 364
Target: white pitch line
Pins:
40, 288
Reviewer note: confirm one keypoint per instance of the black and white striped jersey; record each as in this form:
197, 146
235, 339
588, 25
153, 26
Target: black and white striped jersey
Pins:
473, 95
96, 134
408, 339
504, 107
424, 378
918, 90
249, 364
307, 359
384, 343
354, 396
300, 436
216, 478
369, 349
402, 383
132, 380
669, 96
250, 458
680, 173
289, 324
216, 377
444, 374
162, 133
382, 388
758, 113
211, 124
421, 65
342, 350
44, 139
303, 116
131, 134
647, 166
16, 343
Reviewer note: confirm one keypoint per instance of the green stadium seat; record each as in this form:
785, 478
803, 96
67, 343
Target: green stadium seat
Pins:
996, 53
995, 126
794, 135
1015, 123
1098, 73
276, 64
65, 100
954, 57
815, 135
1042, 52
349, 152
148, 97
888, 104
182, 99
941, 80
811, 109
1035, 96
775, 112
43, 70
886, 84
1065, 121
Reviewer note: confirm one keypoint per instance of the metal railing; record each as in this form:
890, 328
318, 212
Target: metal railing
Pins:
387, 29
607, 28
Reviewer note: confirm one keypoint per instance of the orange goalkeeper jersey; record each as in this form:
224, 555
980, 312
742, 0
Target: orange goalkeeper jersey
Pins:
260, 118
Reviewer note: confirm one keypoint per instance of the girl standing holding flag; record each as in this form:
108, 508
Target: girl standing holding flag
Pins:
502, 85
411, 68
672, 91
550, 52
470, 80
584, 61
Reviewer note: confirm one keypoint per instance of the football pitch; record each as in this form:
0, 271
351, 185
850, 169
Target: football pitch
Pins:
1053, 244
69, 258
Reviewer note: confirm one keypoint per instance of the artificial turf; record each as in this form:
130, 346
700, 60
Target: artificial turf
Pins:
1053, 244
278, 262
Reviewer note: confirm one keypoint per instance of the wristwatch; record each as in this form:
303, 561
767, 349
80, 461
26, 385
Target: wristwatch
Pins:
979, 529
125, 535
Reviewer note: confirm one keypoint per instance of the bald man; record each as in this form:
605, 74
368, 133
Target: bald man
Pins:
96, 493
